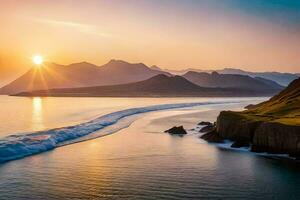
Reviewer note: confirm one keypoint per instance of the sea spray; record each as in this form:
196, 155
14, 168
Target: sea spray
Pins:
18, 146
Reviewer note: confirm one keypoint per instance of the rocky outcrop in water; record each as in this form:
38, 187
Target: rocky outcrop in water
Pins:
231, 125
263, 136
204, 123
272, 126
176, 130
213, 137
207, 128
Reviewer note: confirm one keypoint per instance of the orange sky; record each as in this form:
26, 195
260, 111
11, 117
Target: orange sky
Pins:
172, 34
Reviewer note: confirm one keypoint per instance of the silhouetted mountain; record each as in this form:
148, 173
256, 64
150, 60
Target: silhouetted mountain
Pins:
80, 75
154, 67
184, 71
231, 81
157, 86
281, 78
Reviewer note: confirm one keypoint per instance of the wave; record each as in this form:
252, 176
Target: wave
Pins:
18, 146
227, 146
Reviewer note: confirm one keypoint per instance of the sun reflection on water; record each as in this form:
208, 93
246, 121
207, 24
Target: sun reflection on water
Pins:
37, 113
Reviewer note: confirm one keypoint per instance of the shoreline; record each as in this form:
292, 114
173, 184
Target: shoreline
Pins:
142, 153
114, 128
19, 146
227, 146
144, 96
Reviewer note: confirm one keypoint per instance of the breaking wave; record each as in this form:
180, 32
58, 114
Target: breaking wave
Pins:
18, 146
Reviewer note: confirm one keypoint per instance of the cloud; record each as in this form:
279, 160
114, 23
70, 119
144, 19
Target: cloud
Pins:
84, 28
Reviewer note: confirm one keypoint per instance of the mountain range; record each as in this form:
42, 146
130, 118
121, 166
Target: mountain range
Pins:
231, 81
157, 86
118, 72
281, 78
79, 75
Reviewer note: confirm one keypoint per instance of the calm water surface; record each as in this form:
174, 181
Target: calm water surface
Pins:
138, 162
23, 114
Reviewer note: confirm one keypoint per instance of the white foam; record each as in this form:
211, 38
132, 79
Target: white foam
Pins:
227, 145
18, 146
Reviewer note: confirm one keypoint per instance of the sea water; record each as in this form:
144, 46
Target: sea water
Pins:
135, 160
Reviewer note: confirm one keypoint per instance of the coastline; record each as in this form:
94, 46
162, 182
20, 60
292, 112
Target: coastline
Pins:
19, 146
282, 157
259, 137
126, 163
124, 123
145, 95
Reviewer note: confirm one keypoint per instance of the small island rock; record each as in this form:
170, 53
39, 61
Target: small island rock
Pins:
212, 137
207, 128
203, 123
176, 130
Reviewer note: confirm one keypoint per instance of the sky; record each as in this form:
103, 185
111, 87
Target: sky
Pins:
256, 35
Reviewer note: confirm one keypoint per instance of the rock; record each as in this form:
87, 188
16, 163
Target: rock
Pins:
272, 126
270, 137
240, 143
203, 123
233, 126
212, 137
296, 156
176, 130
207, 128
274, 137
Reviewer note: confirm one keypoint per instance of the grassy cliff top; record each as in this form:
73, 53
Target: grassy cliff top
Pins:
283, 107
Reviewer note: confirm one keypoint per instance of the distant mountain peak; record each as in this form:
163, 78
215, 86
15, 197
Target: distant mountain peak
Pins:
50, 64
154, 67
231, 81
84, 63
193, 73
214, 73
159, 77
234, 69
113, 63
81, 74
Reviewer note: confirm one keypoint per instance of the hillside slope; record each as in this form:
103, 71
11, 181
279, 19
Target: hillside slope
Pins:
280, 78
272, 126
283, 107
79, 75
231, 80
159, 86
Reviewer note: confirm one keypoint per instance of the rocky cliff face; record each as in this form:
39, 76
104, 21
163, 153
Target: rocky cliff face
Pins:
268, 137
231, 125
272, 126
277, 138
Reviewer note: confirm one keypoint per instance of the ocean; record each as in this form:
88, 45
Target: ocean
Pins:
116, 148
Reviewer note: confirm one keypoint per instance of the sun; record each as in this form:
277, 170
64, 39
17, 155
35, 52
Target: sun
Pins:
38, 59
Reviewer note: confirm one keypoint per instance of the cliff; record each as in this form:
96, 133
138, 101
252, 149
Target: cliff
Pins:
264, 136
272, 126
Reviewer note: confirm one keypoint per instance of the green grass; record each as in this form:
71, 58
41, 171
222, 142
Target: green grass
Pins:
285, 112
283, 108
